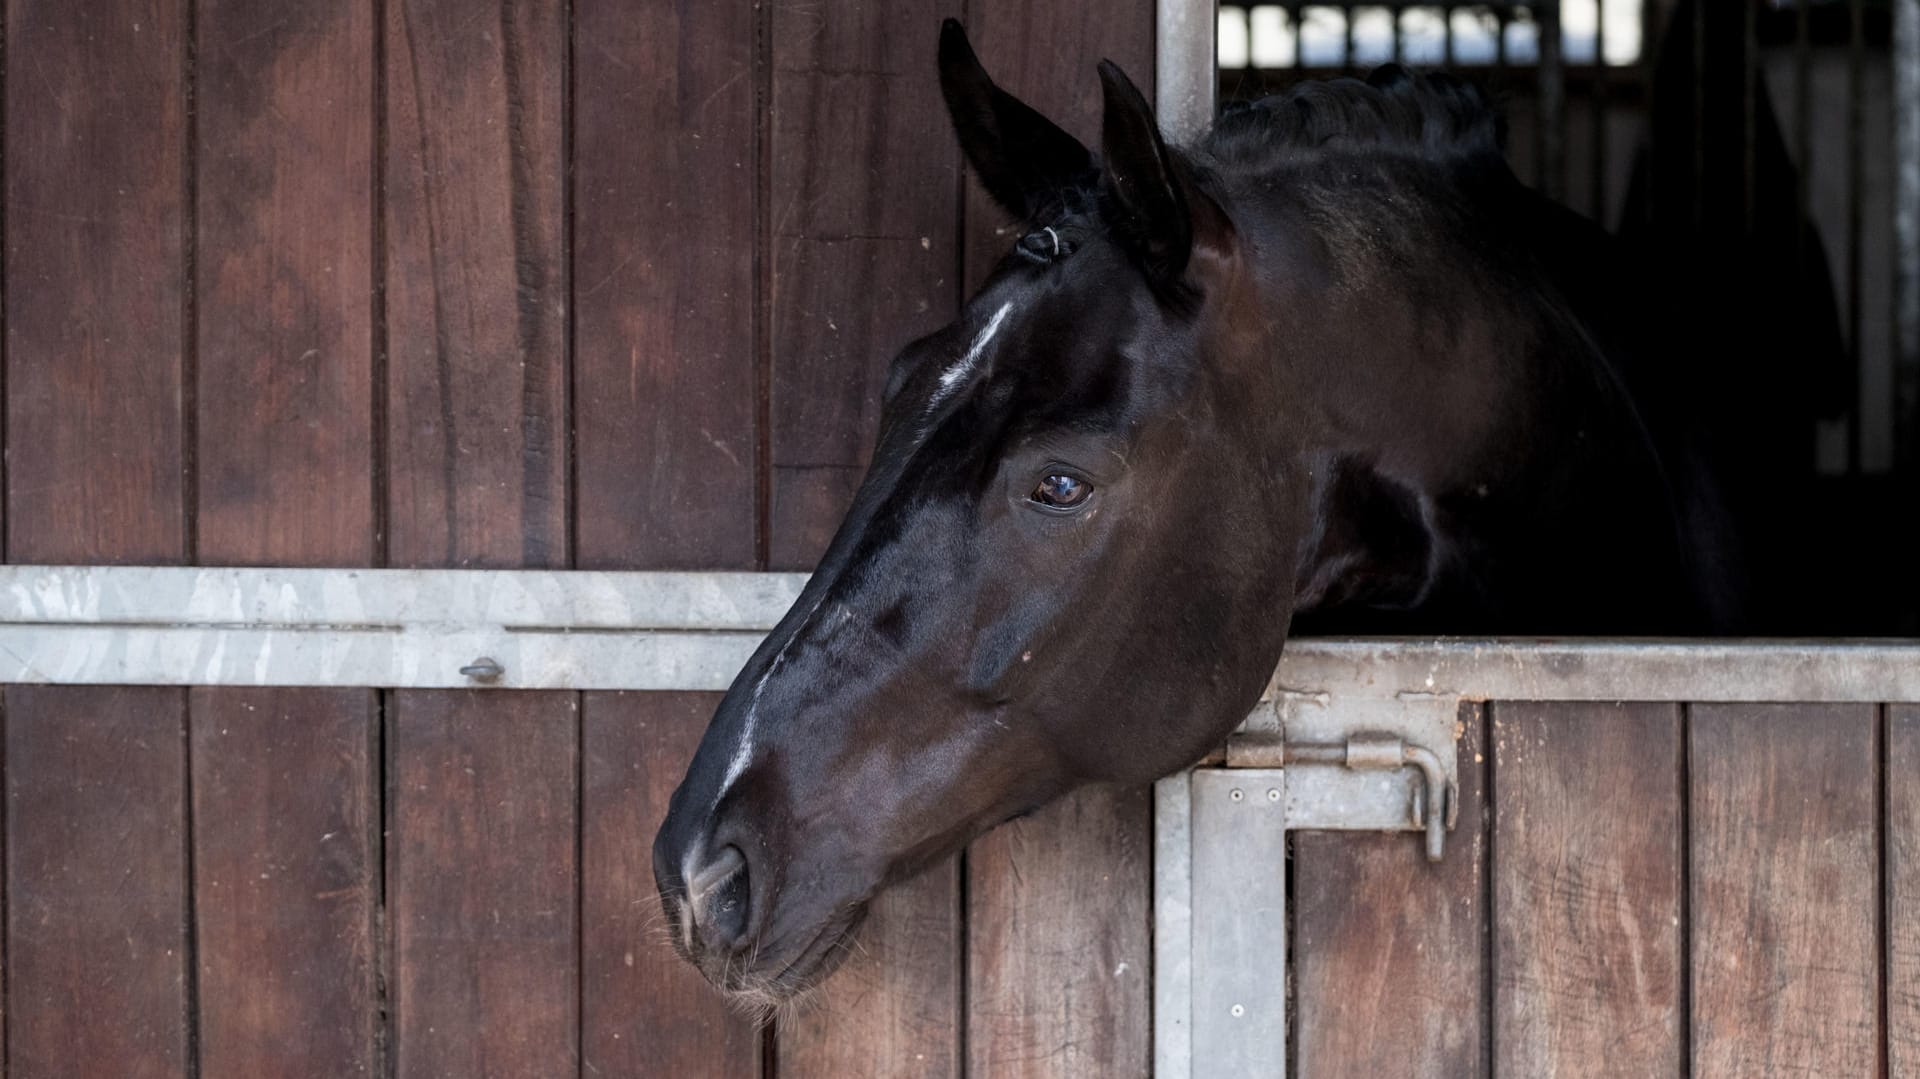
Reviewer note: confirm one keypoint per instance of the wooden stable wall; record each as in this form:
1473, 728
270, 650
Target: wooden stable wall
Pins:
1720, 891
551, 283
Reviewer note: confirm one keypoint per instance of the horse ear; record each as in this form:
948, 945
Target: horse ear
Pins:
1022, 158
1153, 204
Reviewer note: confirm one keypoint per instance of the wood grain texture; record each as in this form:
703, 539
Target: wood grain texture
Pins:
284, 281
1058, 904
1060, 941
1588, 830
96, 882
286, 880
1785, 904
863, 200
1903, 889
476, 283
645, 1012
663, 265
481, 883
1389, 949
95, 280
894, 1007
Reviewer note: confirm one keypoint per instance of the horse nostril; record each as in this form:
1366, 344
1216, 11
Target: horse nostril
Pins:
718, 898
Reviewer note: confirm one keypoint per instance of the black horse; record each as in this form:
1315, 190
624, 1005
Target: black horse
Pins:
1332, 365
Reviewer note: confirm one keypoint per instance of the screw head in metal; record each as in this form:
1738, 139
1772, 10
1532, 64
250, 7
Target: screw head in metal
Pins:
1237, 1011
1236, 795
1273, 794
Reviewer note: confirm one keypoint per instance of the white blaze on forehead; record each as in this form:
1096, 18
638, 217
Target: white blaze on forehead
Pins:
952, 377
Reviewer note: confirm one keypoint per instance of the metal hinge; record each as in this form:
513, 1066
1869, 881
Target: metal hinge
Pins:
1433, 804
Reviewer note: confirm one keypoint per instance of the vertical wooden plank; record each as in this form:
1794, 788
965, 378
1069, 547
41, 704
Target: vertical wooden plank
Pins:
665, 246
1785, 890
285, 881
865, 252
97, 941
1079, 1012
664, 256
95, 137
645, 1012
284, 780
476, 283
862, 202
96, 882
483, 872
1903, 889
1389, 949
481, 880
284, 281
1060, 963
1588, 834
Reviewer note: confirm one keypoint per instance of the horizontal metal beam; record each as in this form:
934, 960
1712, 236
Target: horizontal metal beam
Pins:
133, 625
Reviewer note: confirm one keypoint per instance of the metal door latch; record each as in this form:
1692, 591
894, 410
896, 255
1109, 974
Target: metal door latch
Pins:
1434, 804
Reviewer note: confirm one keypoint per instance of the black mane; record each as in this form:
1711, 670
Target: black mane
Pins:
1436, 117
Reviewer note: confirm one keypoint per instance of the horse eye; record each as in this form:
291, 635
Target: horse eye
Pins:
1061, 491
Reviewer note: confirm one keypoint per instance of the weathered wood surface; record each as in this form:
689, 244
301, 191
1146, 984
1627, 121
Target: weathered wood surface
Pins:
1902, 874
861, 207
476, 283
285, 881
95, 281
664, 166
1785, 850
1587, 890
96, 882
1389, 949
481, 876
284, 286
96, 826
644, 1012
1058, 903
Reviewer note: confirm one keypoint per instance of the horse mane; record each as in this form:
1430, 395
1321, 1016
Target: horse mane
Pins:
1435, 117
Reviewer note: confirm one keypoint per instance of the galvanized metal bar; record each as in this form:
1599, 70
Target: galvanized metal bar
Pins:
1239, 924
1906, 246
1173, 926
1186, 77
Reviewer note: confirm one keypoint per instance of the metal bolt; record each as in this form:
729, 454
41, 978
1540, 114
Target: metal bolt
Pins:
483, 670
1273, 794
1236, 795
1237, 1011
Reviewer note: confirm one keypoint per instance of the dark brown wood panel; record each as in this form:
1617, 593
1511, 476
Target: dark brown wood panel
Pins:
476, 283
286, 881
1057, 904
481, 883
1588, 833
284, 454
1903, 889
663, 286
1389, 949
1060, 968
645, 1012
284, 281
95, 280
1785, 890
97, 942
863, 203
894, 1007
